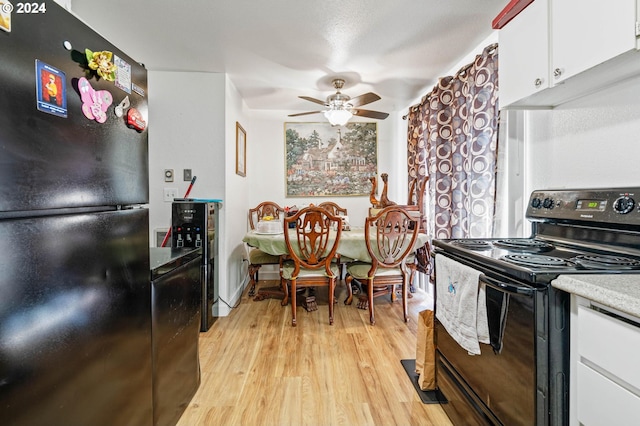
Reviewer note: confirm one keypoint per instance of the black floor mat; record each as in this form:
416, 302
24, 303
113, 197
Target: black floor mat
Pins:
427, 397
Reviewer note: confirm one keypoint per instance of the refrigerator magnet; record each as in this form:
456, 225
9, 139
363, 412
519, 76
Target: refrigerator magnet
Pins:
99, 63
135, 120
94, 102
122, 107
139, 90
51, 89
5, 15
123, 74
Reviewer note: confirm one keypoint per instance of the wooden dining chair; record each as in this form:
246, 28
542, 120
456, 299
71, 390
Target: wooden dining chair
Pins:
390, 237
420, 260
258, 258
333, 208
312, 248
337, 210
417, 192
266, 208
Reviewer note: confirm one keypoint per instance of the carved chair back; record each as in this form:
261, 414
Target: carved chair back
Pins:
417, 191
333, 208
313, 247
266, 208
396, 232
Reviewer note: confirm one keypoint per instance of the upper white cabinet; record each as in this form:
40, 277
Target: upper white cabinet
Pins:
587, 33
524, 53
558, 50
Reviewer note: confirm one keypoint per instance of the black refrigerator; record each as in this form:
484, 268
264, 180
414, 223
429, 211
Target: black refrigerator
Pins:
75, 323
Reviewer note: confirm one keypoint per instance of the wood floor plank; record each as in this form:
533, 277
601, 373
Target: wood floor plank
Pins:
259, 370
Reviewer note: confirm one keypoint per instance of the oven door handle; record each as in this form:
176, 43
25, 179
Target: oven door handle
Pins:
507, 287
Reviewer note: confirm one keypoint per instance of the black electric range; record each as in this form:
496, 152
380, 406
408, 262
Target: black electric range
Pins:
574, 232
524, 379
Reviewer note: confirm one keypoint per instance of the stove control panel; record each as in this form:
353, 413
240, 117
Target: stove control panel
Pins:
538, 203
624, 204
615, 206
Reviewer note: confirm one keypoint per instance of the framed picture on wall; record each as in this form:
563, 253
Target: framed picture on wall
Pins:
241, 150
323, 160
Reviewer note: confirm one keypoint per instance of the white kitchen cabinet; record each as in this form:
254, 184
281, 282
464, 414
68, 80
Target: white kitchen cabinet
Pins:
587, 33
584, 45
607, 383
524, 54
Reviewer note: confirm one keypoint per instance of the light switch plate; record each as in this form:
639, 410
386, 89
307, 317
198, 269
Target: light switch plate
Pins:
170, 194
168, 175
186, 174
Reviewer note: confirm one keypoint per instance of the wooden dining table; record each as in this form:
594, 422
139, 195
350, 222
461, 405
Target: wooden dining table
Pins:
352, 245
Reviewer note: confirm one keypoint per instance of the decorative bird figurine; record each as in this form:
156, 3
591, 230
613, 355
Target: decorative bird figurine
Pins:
384, 200
372, 197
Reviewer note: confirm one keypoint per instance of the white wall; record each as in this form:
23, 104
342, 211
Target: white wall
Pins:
589, 143
236, 203
592, 142
192, 125
186, 131
266, 164
64, 3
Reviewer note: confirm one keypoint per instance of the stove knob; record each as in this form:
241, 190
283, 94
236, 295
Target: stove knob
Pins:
536, 203
547, 203
624, 205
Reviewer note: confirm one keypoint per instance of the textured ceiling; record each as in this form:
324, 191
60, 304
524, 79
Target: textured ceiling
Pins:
274, 51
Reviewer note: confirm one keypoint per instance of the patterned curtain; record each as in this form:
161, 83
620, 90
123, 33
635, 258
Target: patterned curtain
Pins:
452, 137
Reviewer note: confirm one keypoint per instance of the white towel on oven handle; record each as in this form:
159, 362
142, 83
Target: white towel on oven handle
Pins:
458, 301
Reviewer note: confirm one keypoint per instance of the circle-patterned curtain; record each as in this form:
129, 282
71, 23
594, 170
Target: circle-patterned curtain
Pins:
453, 139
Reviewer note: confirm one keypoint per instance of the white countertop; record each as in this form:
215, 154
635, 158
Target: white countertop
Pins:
618, 291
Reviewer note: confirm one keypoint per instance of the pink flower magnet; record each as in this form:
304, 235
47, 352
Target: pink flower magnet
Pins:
94, 102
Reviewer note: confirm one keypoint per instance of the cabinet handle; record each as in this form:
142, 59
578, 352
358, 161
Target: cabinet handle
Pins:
604, 311
538, 82
557, 72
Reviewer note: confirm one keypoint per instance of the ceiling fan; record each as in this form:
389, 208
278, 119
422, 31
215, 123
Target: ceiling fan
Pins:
341, 107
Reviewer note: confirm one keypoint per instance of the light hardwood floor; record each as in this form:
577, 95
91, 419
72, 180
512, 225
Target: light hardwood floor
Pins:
258, 370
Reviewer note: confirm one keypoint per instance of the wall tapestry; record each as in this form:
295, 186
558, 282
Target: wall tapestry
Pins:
324, 160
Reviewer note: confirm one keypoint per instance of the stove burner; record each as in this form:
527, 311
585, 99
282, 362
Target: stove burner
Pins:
538, 260
601, 261
473, 244
523, 244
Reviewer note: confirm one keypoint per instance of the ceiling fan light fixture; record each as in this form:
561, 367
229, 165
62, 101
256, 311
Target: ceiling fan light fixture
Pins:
338, 117
341, 107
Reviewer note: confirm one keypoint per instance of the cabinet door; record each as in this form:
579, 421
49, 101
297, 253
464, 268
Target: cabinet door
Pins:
585, 34
604, 402
524, 54
609, 343
607, 377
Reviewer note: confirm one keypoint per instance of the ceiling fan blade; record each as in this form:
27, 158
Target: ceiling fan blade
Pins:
370, 114
314, 100
304, 113
367, 98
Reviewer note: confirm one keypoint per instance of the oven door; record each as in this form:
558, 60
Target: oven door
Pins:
500, 385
